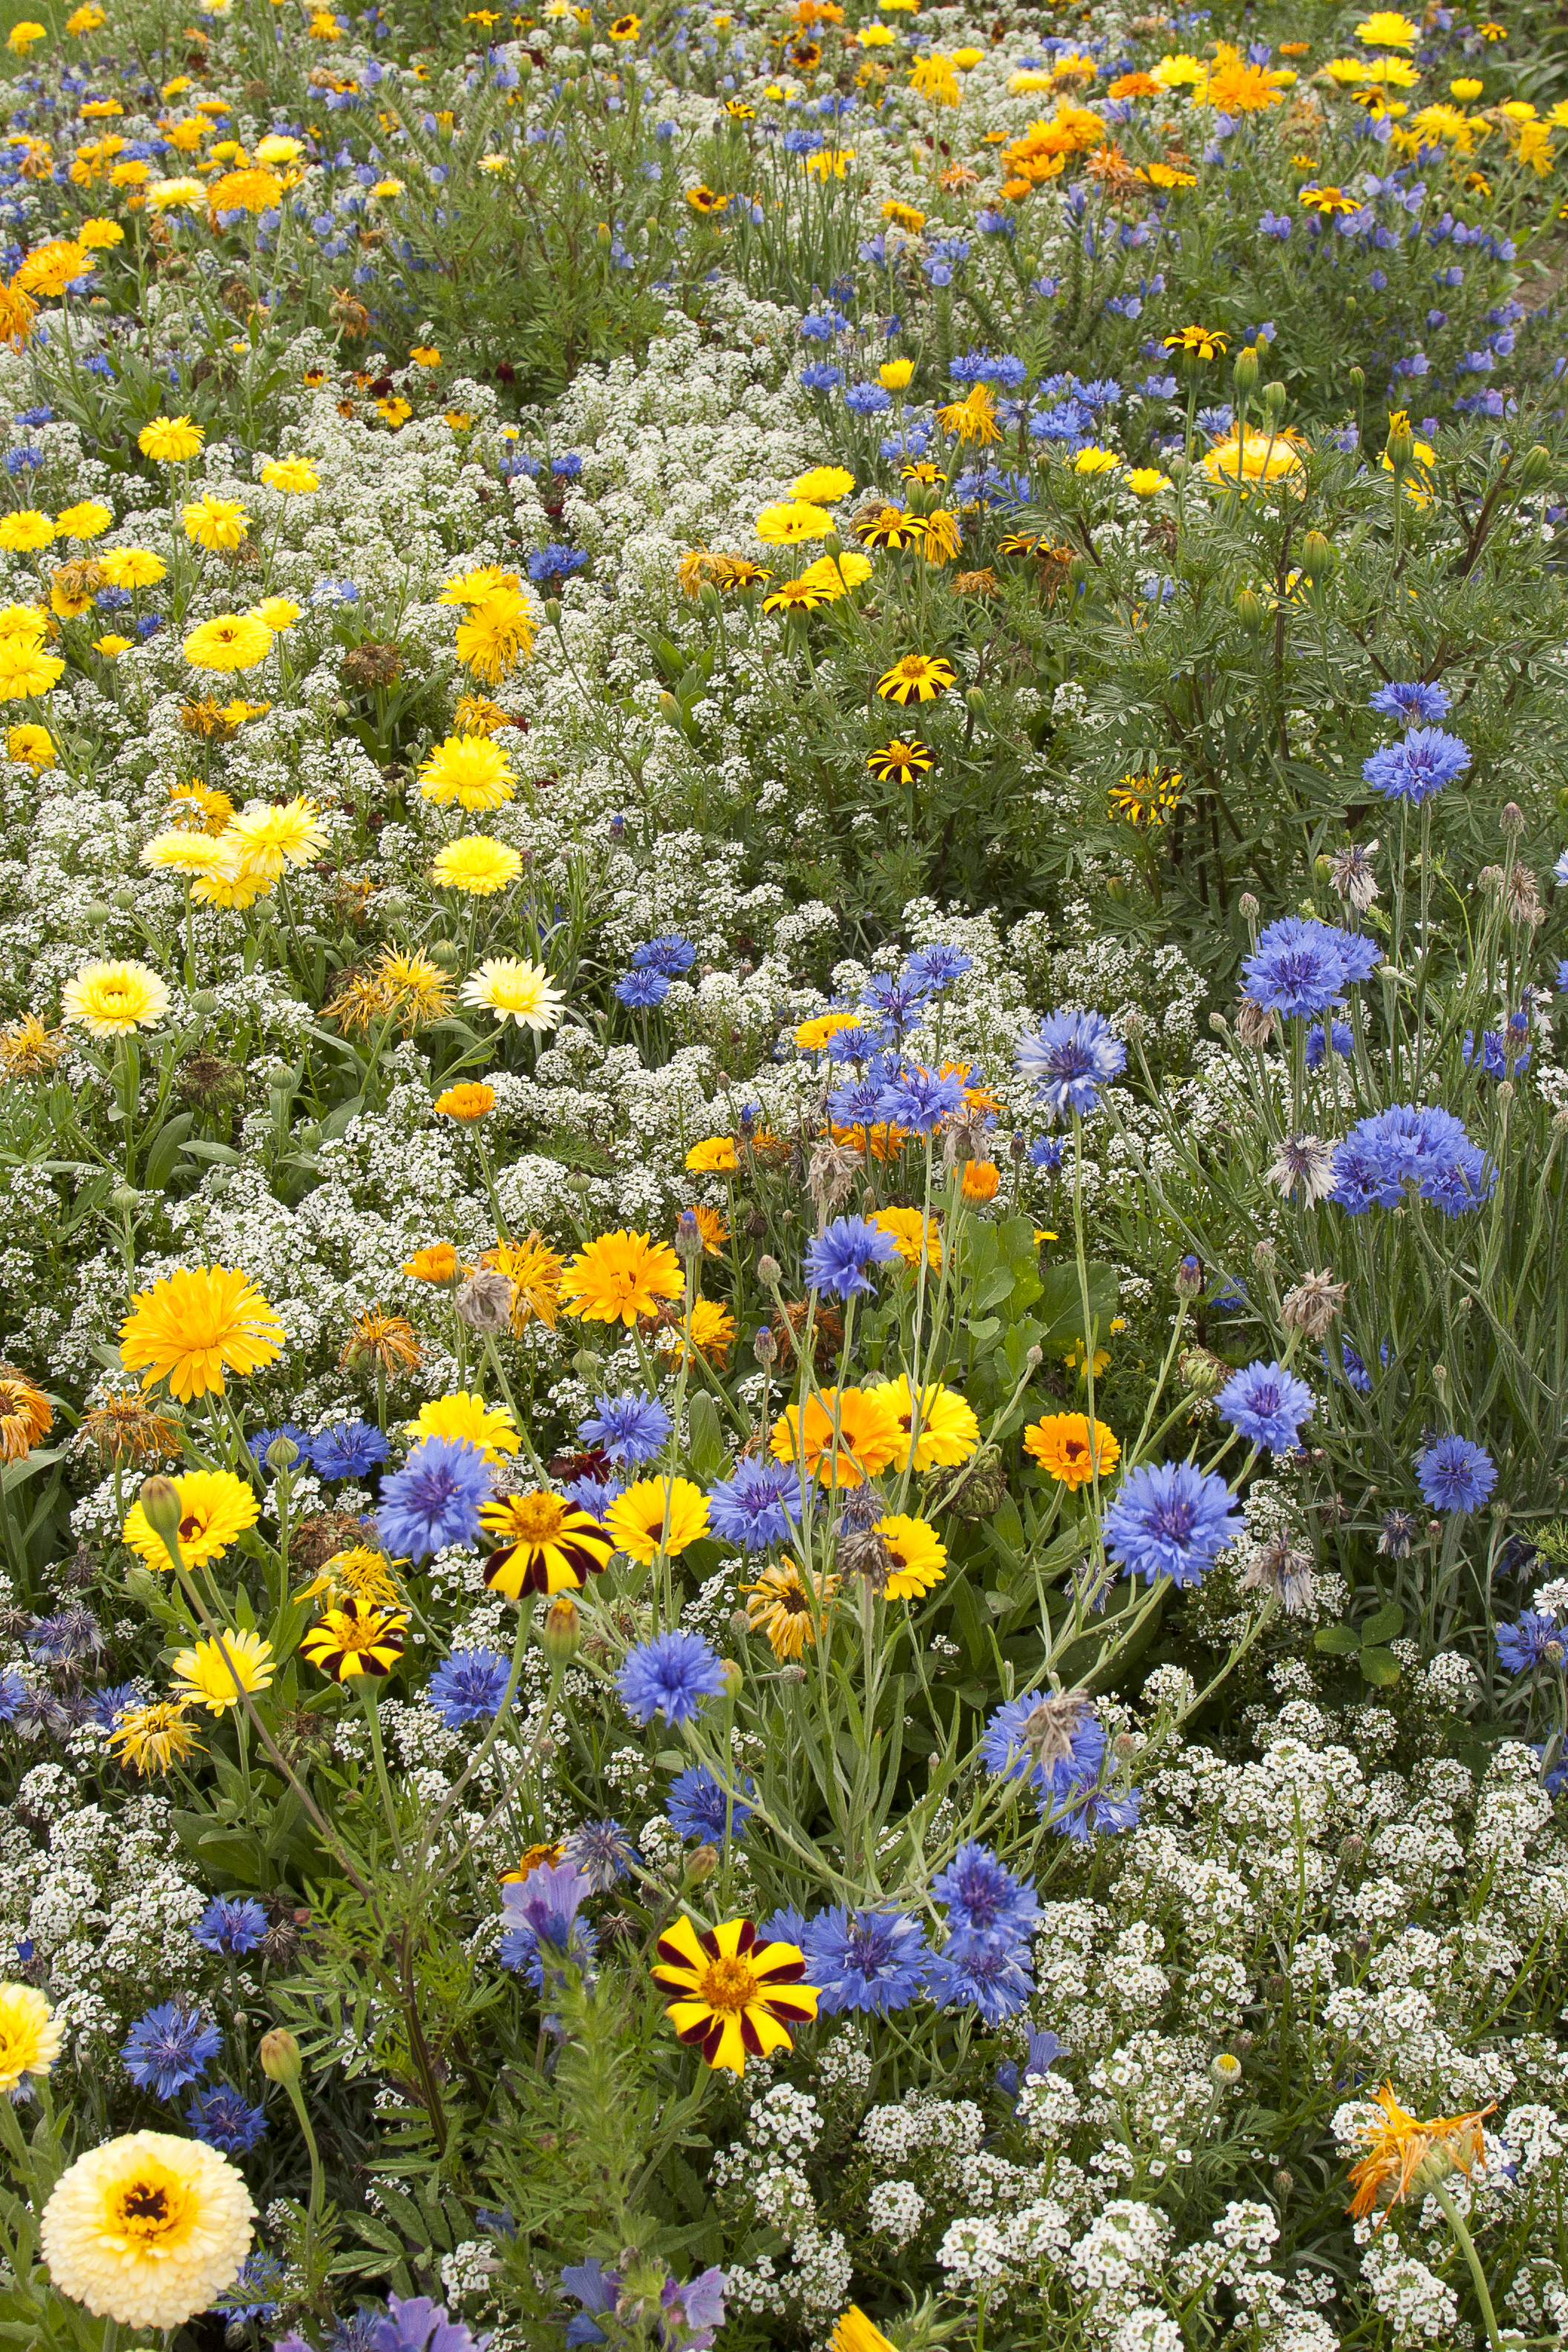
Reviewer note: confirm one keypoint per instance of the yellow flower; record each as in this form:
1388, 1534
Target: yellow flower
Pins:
267, 839
29, 620
89, 18
823, 485
30, 2037
216, 1508
279, 148
868, 1436
894, 375
110, 1000
155, 1737
24, 532
1387, 28
166, 196
621, 1276
194, 1324
637, 1520
712, 1333
1060, 1443
1095, 461
465, 1103
933, 78
1248, 456
949, 1431
794, 524
26, 670
206, 1677
357, 1639
279, 612
497, 631
543, 1543
469, 1418
780, 1606
131, 567
232, 641
715, 1155
33, 747
88, 519
1406, 2156
295, 476
908, 1230
471, 770
917, 677
736, 1996
514, 990
252, 190
26, 1414
918, 1556
477, 865
1466, 88
24, 36
196, 854
1147, 481
216, 524
533, 1270
170, 440
147, 2229
855, 2333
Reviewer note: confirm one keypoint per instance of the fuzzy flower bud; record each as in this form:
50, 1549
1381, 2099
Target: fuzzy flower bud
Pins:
280, 2056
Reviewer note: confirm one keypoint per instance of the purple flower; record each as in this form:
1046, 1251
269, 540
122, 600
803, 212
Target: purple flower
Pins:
1053, 1743
231, 1923
699, 1808
1170, 1520
352, 1450
602, 1851
1417, 768
1423, 1147
226, 2119
920, 1100
838, 1259
1268, 1405
1455, 1475
434, 1500
983, 1972
671, 1674
1340, 1036
1301, 967
937, 967
169, 2048
669, 954
1069, 1057
1412, 704
469, 1688
629, 1428
415, 2324
757, 1507
1535, 1641
692, 2314
983, 1895
641, 991
540, 1921
595, 2289
867, 1960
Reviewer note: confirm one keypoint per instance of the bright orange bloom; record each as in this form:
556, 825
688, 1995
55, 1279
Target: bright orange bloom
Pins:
1406, 2157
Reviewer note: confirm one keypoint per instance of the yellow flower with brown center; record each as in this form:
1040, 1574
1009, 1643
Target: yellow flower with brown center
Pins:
949, 1432
122, 1427
841, 1438
712, 1333
147, 2229
31, 747
655, 1516
216, 1508
1061, 1445
543, 1543
779, 1605
735, 1997
196, 1324
795, 524
214, 1672
357, 1639
468, 1103
621, 1276
155, 1737
917, 677
26, 1414
917, 1556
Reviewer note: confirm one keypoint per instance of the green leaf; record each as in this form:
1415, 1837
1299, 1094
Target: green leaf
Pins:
1380, 1666
165, 1150
708, 1451
1339, 1641
1385, 1624
1060, 1307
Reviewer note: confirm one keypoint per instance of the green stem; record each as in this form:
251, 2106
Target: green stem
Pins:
1466, 2246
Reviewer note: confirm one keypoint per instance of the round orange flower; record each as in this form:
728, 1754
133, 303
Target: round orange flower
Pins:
869, 1437
1060, 1444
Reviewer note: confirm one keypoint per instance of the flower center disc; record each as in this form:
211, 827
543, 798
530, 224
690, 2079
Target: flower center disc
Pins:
729, 1985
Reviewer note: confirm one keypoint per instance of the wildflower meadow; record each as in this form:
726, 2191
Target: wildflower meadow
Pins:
784, 1177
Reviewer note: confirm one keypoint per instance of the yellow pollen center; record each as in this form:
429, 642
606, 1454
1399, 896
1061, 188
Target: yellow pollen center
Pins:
538, 1519
729, 1986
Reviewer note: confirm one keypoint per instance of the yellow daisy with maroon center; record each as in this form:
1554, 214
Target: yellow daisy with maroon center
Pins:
737, 1998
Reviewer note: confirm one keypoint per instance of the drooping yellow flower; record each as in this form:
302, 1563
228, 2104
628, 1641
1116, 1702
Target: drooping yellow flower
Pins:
25, 1415
949, 1431
471, 770
146, 2229
514, 990
29, 1047
170, 440
637, 1520
476, 866
232, 641
196, 1324
216, 1508
736, 1998
489, 1427
218, 525
30, 2037
497, 631
779, 1605
152, 1738
621, 1276
111, 1000
208, 1674
1406, 2156
196, 854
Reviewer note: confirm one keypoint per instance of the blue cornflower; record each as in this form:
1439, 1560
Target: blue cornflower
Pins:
1053, 1742
1408, 1144
981, 1972
629, 1428
1412, 703
1455, 1475
1562, 967
984, 1896
937, 967
1094, 1811
641, 991
104, 1705
897, 998
857, 1043
231, 1923
872, 1961
1417, 768
1045, 2048
540, 1916
594, 1495
1356, 1371
602, 1851
555, 562
867, 400
257, 1444
1045, 1153
1301, 966
671, 1676
469, 1688
1340, 1038
1535, 1641
669, 954
1171, 1518
1495, 1052
416, 2325
226, 2119
169, 2048
698, 1808
350, 1450
434, 1499
64, 1638
838, 1259
757, 1507
1560, 871
820, 377
1070, 1056
1267, 1404
568, 468
260, 2284
920, 1100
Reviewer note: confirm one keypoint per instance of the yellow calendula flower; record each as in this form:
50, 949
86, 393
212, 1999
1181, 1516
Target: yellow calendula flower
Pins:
476, 866
215, 1672
232, 641
27, 530
30, 2037
497, 631
489, 1427
465, 1103
152, 1738
147, 2229
619, 1277
514, 990
218, 525
25, 670
715, 1155
948, 1434
824, 486
295, 476
855, 2333
88, 519
471, 770
1062, 1445
170, 440
780, 1605
794, 524
131, 567
266, 839
196, 1324
216, 1508
111, 1000
654, 1515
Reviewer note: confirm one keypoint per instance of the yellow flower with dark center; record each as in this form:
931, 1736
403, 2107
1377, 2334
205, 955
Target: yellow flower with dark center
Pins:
170, 440
30, 2037
155, 1737
215, 1671
1197, 342
794, 597
476, 866
625, 28
794, 524
917, 677
898, 763
534, 1271
26, 1414
890, 527
497, 631
218, 525
196, 1324
657, 1515
1325, 200
543, 1543
621, 1276
918, 1554
1406, 2156
472, 1100
489, 1427
1061, 1445
471, 770
949, 1431
779, 1605
1147, 799
232, 641
735, 1997
843, 1436
111, 1000
356, 1639
216, 1508
25, 670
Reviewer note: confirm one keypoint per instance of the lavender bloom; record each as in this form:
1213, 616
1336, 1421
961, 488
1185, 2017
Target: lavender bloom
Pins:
699, 1807
629, 1428
1301, 967
469, 1688
1412, 704
1535, 1641
1070, 1056
602, 1852
985, 1897
415, 2324
692, 2314
352, 1450
230, 1924
869, 1960
226, 2119
541, 1922
1424, 1147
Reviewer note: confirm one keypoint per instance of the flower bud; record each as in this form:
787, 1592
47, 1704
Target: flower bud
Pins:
765, 1347
553, 611
735, 1680
1247, 907
1318, 559
1249, 608
125, 898
1512, 817
832, 546
1189, 1278
687, 1236
710, 601
1264, 1254
561, 1634
447, 953
124, 1198
1535, 468
1284, 2182
975, 698
160, 1508
282, 1453
205, 1001
669, 707
1226, 2070
280, 2056
1274, 402
1358, 379
769, 1272
700, 1863
1245, 371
